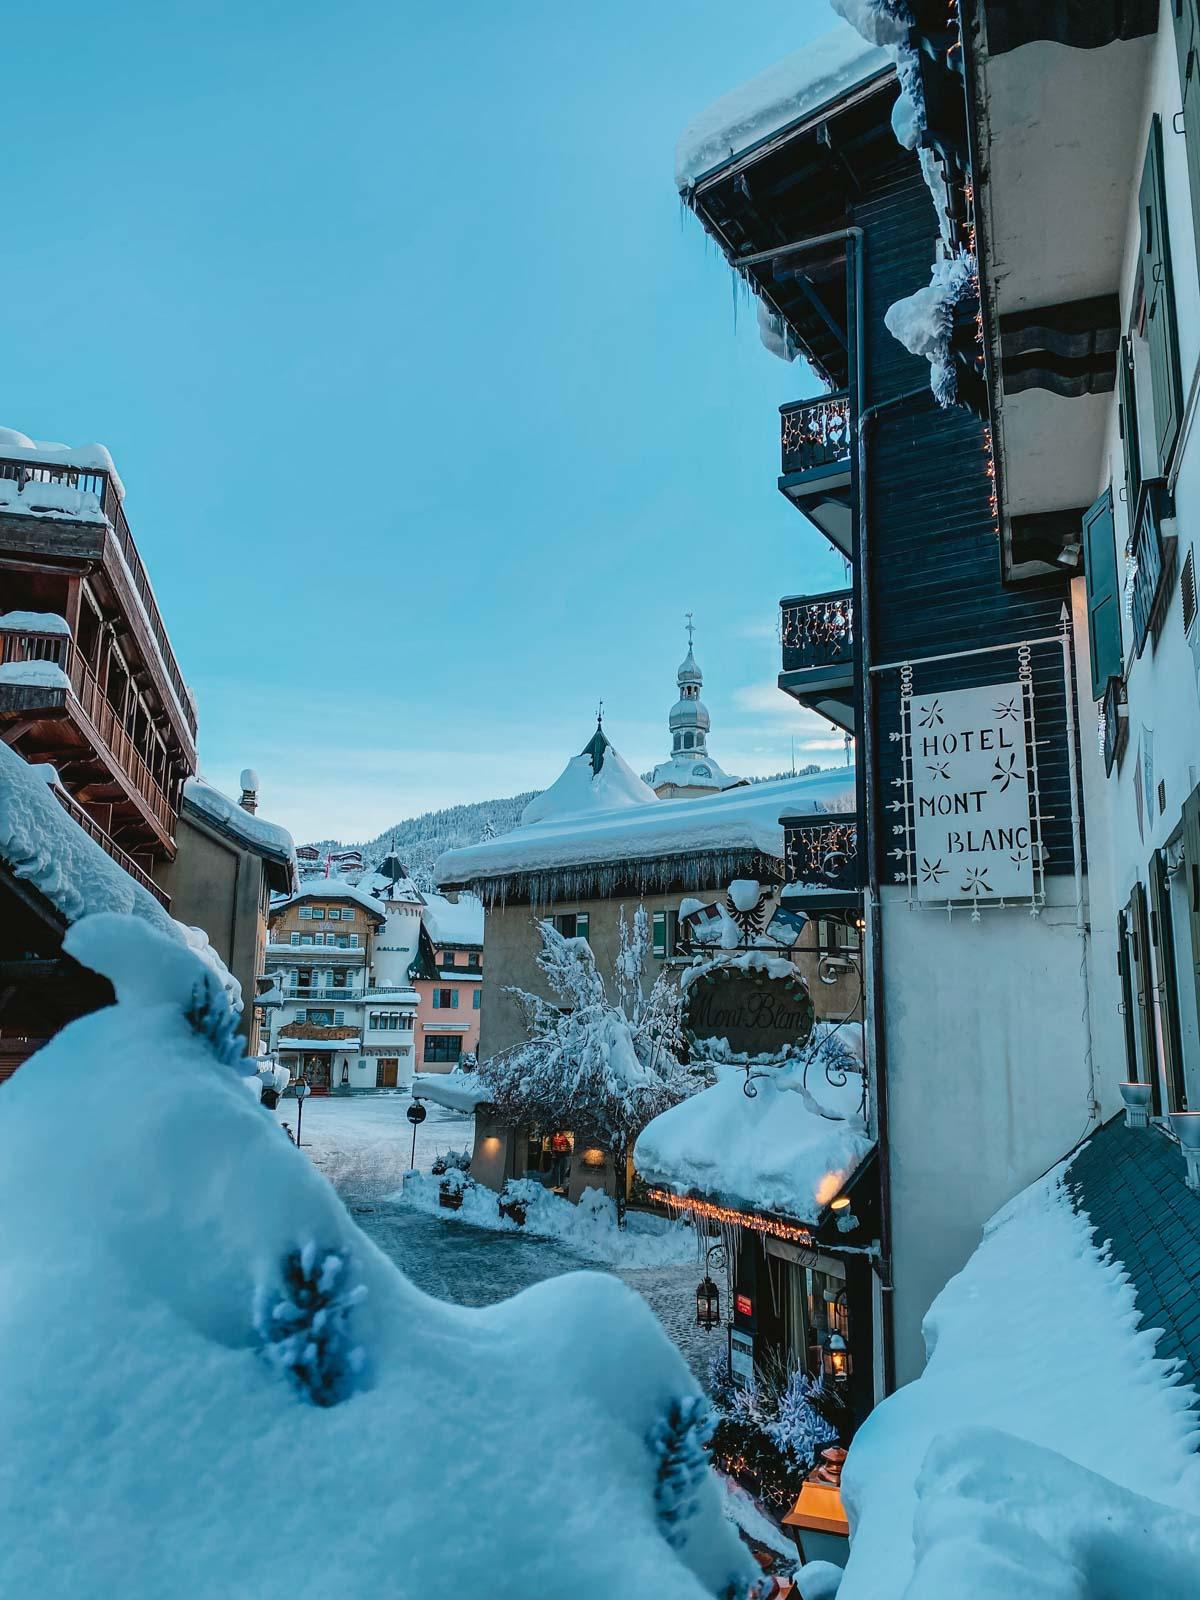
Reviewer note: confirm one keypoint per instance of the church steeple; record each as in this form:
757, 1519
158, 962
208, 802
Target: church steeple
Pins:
598, 743
689, 770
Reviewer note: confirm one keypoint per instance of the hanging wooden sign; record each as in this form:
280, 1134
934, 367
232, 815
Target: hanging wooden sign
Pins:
971, 832
762, 1012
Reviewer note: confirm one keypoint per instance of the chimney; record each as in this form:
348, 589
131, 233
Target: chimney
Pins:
249, 800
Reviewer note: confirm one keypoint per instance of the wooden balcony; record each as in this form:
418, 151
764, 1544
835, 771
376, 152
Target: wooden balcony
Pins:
59, 713
815, 438
87, 544
819, 654
822, 862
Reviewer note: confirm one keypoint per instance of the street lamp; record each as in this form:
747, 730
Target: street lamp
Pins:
836, 1358
301, 1092
708, 1296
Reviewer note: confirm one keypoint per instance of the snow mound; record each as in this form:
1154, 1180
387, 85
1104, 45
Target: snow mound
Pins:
578, 791
789, 1150
454, 921
1037, 1336
35, 674
15, 446
166, 1249
458, 1091
798, 86
34, 622
923, 322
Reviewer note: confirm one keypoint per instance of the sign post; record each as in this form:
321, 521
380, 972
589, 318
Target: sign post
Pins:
416, 1114
972, 837
301, 1092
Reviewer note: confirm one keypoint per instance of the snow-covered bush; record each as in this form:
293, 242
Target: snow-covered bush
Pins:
602, 1067
801, 1426
306, 1327
679, 1444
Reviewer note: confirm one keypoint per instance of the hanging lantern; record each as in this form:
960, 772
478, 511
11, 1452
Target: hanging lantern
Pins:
708, 1304
836, 1358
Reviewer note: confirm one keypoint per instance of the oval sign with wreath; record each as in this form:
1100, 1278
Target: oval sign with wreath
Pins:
761, 1012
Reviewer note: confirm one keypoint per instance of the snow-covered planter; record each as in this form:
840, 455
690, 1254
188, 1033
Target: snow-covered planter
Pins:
450, 1190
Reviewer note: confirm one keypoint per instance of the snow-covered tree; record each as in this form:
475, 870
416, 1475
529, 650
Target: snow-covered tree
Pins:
801, 1426
599, 1066
305, 1327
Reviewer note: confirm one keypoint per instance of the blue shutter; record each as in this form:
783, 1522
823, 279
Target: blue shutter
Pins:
1103, 593
1128, 420
454, 999
659, 935
1162, 332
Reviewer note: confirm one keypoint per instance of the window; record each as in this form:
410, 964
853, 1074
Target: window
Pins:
664, 934
305, 913
354, 941
317, 913
445, 999
301, 1016
305, 938
295, 939
389, 1021
473, 959
320, 1019
1157, 303
347, 913
1187, 45
1187, 590
475, 1000
339, 1019
449, 958
1103, 593
572, 924
407, 1021
443, 1047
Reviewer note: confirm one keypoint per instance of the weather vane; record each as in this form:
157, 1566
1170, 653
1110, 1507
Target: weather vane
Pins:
691, 627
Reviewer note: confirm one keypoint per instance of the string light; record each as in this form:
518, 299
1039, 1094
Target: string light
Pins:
792, 1233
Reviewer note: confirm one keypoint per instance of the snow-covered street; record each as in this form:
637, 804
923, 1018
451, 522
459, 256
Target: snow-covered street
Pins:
363, 1144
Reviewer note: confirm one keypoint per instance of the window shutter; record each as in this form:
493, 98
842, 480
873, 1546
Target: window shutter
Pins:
582, 924
1143, 994
1187, 590
1127, 1001
1191, 871
1127, 419
1162, 333
1103, 593
454, 999
1168, 994
659, 935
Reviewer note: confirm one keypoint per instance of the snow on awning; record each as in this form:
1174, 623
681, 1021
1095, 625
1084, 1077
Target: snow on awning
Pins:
794, 88
454, 922
776, 1153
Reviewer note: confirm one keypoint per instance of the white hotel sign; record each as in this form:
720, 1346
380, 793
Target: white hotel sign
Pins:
971, 832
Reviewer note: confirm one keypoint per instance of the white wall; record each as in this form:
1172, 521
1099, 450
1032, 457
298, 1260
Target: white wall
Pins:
394, 946
987, 1079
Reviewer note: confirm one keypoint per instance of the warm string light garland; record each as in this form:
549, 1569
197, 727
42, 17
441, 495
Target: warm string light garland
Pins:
791, 1232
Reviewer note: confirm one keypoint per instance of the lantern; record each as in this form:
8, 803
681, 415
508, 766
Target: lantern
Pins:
708, 1303
836, 1358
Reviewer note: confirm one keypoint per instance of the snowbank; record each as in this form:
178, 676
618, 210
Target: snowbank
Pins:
454, 921
48, 849
34, 622
460, 1091
730, 825
789, 1150
578, 791
796, 87
33, 498
265, 837
157, 1410
588, 1228
1037, 1336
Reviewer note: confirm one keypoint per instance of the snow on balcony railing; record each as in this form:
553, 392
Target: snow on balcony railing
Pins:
105, 489
815, 433
817, 630
93, 829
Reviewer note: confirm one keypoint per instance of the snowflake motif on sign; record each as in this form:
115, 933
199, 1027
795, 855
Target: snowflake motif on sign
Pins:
976, 881
938, 769
932, 871
1019, 857
1004, 774
932, 717
1008, 711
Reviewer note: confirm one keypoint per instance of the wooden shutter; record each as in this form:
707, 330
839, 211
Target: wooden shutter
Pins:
659, 934
1187, 46
1128, 422
1127, 1000
1163, 935
1103, 593
1162, 334
1143, 992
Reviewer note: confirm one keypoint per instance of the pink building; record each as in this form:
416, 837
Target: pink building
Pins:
447, 976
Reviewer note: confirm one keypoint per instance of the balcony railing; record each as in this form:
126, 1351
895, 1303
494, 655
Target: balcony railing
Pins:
59, 650
815, 433
1116, 724
323, 992
101, 485
821, 855
817, 630
91, 827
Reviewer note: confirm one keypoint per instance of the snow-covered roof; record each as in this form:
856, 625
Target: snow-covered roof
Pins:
265, 838
578, 791
16, 446
796, 87
390, 880
738, 823
788, 1151
1040, 1381
299, 1042
690, 771
45, 847
460, 1091
34, 622
164, 1216
454, 921
332, 888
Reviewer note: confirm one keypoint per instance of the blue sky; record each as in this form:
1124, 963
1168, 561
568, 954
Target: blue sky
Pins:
430, 407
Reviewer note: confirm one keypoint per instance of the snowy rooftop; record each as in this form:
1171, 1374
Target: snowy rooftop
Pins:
795, 88
739, 821
690, 771
460, 1091
332, 888
451, 922
578, 791
266, 838
788, 1151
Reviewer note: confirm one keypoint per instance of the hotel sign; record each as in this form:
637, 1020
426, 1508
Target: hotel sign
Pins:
749, 1010
970, 788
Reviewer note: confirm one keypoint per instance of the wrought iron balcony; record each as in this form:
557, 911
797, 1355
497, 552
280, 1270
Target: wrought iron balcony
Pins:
821, 860
1151, 559
818, 656
1116, 724
815, 439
